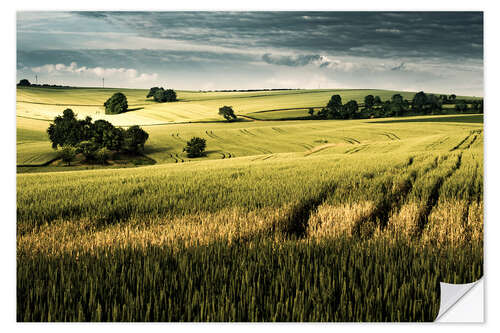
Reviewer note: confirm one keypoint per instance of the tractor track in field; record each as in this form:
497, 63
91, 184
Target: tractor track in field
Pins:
437, 143
390, 203
352, 141
355, 150
390, 136
212, 135
474, 134
247, 132
279, 130
432, 199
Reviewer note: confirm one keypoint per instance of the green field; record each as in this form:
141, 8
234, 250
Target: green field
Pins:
297, 220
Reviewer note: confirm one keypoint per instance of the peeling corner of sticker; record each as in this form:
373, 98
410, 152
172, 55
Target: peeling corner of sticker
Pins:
453, 295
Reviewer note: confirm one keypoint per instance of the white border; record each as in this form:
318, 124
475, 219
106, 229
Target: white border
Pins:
492, 153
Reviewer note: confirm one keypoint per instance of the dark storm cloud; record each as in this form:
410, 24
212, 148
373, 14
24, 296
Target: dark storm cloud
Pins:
371, 34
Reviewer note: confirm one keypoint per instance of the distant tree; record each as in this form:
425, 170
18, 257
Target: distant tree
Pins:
24, 83
134, 139
68, 154
460, 106
398, 106
311, 112
369, 101
452, 99
377, 101
419, 102
349, 110
334, 107
444, 99
161, 95
195, 147
434, 104
152, 91
116, 104
227, 112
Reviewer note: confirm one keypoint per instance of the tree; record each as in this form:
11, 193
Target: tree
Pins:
377, 101
334, 107
113, 138
161, 95
434, 103
88, 149
419, 101
227, 112
102, 155
397, 106
68, 154
452, 99
134, 139
152, 91
369, 101
116, 104
67, 130
24, 83
195, 147
349, 110
311, 112
460, 106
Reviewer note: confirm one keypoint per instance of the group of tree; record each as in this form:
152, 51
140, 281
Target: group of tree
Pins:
27, 83
161, 95
228, 113
94, 140
374, 107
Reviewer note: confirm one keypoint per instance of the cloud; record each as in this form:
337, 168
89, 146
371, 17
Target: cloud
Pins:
128, 74
320, 61
392, 31
295, 60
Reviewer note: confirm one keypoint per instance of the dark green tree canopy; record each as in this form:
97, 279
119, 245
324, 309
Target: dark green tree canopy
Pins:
152, 91
161, 95
134, 139
227, 112
24, 83
116, 104
195, 147
369, 101
88, 136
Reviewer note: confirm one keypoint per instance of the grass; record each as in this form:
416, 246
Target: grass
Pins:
316, 220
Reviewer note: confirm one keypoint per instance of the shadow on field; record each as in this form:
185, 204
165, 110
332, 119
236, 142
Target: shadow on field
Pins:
135, 109
155, 149
477, 118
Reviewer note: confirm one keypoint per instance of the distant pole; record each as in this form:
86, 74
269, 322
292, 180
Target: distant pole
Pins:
103, 82
36, 79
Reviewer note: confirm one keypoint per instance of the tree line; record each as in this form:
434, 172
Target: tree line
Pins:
95, 140
374, 107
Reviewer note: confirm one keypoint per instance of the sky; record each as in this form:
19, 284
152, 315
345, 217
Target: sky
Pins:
440, 52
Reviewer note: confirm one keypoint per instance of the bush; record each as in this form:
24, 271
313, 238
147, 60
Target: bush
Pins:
195, 147
88, 149
116, 104
102, 155
68, 154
